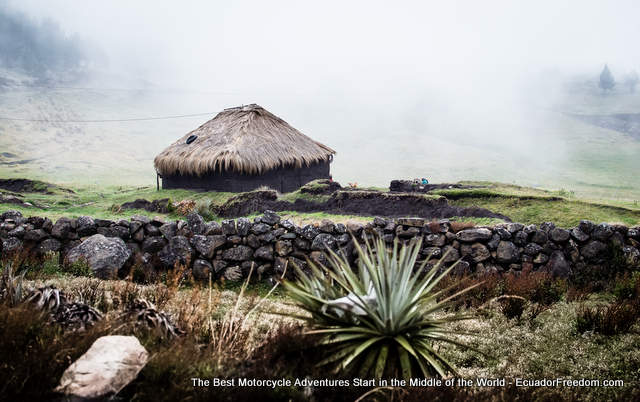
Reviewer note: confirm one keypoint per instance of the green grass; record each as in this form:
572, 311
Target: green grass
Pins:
477, 221
521, 204
562, 212
295, 195
101, 202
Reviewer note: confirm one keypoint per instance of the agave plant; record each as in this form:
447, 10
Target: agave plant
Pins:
146, 314
383, 317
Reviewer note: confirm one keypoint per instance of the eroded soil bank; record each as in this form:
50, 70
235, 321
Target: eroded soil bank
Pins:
370, 203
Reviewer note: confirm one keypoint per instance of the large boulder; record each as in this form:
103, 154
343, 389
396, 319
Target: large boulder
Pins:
202, 269
586, 226
434, 240
264, 252
539, 237
213, 228
19, 232
473, 235
283, 247
593, 250
196, 223
260, 228
168, 230
532, 249
478, 252
107, 367
579, 234
602, 232
270, 218
86, 226
243, 225
207, 245
11, 214
62, 228
116, 231
177, 252
239, 253
309, 232
323, 241
49, 246
105, 256
35, 235
507, 252
451, 254
153, 244
514, 227
558, 265
559, 235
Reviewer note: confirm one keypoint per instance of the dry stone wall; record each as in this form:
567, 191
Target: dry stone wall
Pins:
228, 249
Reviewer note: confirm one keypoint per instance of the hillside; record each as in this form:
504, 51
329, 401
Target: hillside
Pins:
550, 148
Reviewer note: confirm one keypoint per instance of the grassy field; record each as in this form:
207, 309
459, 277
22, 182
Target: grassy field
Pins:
521, 204
531, 205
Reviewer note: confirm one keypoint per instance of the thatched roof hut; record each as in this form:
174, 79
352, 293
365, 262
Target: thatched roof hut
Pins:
240, 149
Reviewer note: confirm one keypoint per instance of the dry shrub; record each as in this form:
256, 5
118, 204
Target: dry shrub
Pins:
490, 286
191, 316
513, 306
90, 291
616, 318
457, 226
627, 286
184, 207
434, 226
578, 293
535, 286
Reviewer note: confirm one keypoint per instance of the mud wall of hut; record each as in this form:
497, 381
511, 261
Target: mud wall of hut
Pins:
284, 179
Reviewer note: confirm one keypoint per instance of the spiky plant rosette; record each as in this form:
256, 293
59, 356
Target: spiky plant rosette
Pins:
382, 318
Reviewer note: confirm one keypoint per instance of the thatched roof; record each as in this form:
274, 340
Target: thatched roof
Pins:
246, 139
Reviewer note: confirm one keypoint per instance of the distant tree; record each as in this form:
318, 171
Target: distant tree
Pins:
631, 81
606, 79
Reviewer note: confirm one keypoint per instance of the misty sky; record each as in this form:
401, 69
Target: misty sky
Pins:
300, 47
350, 72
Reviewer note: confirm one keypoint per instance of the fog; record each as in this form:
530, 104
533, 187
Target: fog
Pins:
451, 90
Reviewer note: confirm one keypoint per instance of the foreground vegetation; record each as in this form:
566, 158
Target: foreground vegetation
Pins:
528, 326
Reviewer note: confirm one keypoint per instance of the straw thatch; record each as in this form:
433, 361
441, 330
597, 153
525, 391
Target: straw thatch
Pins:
245, 139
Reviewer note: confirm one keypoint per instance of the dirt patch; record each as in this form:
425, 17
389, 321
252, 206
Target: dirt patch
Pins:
17, 200
365, 203
30, 186
161, 206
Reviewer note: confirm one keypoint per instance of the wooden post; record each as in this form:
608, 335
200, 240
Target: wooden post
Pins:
157, 181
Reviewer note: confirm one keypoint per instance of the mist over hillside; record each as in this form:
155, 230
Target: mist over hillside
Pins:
38, 49
454, 92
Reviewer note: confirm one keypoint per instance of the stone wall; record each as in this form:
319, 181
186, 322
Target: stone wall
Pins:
229, 248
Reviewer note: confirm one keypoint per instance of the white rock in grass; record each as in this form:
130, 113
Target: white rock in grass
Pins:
109, 365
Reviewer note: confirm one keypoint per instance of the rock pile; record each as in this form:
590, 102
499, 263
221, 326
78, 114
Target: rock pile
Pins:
230, 248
